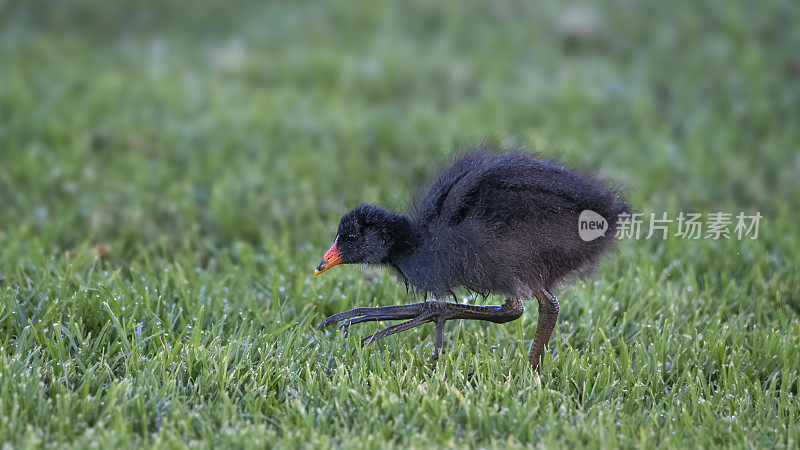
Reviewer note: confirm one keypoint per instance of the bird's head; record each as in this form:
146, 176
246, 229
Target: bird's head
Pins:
367, 235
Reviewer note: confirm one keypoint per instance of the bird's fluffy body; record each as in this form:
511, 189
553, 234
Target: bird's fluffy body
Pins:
494, 224
501, 224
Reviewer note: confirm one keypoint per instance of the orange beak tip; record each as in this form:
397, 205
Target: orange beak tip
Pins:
332, 258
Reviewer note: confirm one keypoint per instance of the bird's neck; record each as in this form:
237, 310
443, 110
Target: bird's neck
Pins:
406, 238
405, 244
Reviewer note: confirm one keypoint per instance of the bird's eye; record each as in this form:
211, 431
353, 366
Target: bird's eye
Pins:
351, 236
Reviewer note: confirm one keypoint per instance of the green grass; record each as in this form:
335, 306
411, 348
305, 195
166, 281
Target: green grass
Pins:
213, 148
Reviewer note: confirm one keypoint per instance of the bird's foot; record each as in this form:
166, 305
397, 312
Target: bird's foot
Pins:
424, 312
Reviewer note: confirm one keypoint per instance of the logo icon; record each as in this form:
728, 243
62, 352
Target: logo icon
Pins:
591, 225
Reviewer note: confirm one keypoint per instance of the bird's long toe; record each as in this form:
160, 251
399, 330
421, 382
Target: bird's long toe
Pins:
371, 314
361, 319
425, 312
400, 327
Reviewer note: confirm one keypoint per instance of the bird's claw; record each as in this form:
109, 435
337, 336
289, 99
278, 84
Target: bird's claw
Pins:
416, 314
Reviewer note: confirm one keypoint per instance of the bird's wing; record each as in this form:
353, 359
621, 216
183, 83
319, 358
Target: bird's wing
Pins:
505, 194
505, 189
429, 209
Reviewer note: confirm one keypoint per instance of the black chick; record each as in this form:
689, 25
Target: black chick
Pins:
493, 224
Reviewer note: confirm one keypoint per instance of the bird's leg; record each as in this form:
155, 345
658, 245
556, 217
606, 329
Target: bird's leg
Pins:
510, 310
420, 313
548, 315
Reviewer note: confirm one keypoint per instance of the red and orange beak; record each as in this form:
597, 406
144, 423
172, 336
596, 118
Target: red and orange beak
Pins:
332, 257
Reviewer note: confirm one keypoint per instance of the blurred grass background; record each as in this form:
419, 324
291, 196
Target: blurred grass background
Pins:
170, 173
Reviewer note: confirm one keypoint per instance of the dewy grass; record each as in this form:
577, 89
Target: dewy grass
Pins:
167, 187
